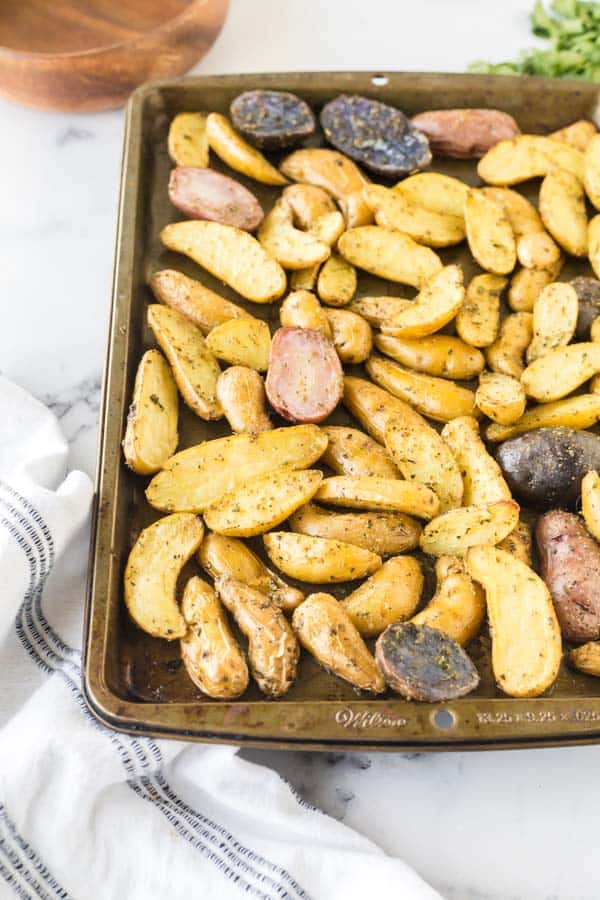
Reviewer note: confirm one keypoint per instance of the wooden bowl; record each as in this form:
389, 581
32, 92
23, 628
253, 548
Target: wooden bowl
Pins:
73, 56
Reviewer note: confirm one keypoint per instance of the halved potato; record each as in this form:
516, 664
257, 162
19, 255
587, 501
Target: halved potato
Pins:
436, 304
389, 254
377, 310
393, 209
528, 156
390, 595
562, 208
594, 244
304, 279
578, 412
505, 355
373, 407
434, 191
559, 372
452, 533
319, 560
578, 134
238, 153
202, 306
156, 559
308, 203
262, 502
187, 142
384, 533
241, 393
590, 502
586, 658
489, 233
336, 284
537, 250
292, 248
526, 641
337, 174
522, 215
301, 309
526, 286
151, 434
458, 606
328, 228
478, 319
591, 170
554, 319
385, 494
195, 478
518, 543
195, 369
231, 255
352, 335
438, 354
483, 481
351, 452
500, 397
242, 342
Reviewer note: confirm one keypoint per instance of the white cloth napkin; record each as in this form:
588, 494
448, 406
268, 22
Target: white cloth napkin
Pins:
90, 814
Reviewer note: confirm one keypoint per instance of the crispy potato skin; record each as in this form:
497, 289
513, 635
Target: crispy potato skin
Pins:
352, 452
483, 481
241, 393
151, 435
319, 560
465, 133
390, 595
201, 306
383, 533
458, 606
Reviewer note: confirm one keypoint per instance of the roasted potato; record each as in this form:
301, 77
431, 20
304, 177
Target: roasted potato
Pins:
436, 305
304, 279
594, 244
561, 371
351, 452
506, 354
554, 319
384, 533
537, 250
465, 133
500, 397
352, 336
489, 233
187, 142
373, 407
579, 412
242, 342
389, 254
241, 393
522, 215
325, 629
292, 248
590, 502
391, 594
452, 533
562, 208
231, 147
385, 494
206, 194
591, 170
272, 119
518, 543
478, 319
436, 192
377, 310
528, 156
151, 434
578, 134
337, 174
301, 309
586, 658
336, 284
458, 606
319, 560
526, 286
202, 306
308, 203
393, 209
483, 482
442, 355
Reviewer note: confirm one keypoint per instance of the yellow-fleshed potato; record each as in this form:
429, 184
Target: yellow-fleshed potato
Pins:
458, 606
478, 319
518, 543
301, 309
537, 250
500, 397
156, 559
579, 412
326, 630
560, 372
522, 215
194, 367
526, 285
241, 393
202, 306
328, 228
438, 354
594, 244
377, 310
483, 481
424, 457
351, 452
385, 494
304, 279
195, 478
336, 284
591, 171
238, 153
526, 641
595, 330
435, 305
151, 434
452, 533
242, 342
528, 156
337, 174
373, 407
489, 234
273, 650
586, 658
393, 209
230, 254
187, 142
352, 335
578, 134
590, 502
308, 203
391, 595
562, 208
506, 354
554, 319
292, 248
436, 192
437, 398
219, 555
384, 533
319, 560
389, 254
210, 653
262, 502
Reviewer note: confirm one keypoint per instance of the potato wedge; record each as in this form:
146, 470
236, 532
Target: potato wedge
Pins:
201, 306
352, 335
561, 371
478, 319
242, 342
273, 650
591, 170
377, 310
393, 209
210, 653
318, 560
373, 406
438, 354
351, 452
195, 478
156, 559
594, 244
537, 250
518, 543
187, 142
195, 369
586, 658
231, 147
452, 533
324, 629
578, 134
292, 248
526, 285
458, 606
424, 457
436, 304
506, 354
151, 434
390, 595
562, 208
436, 192
308, 203
528, 156
384, 533
301, 309
526, 641
337, 174
578, 412
389, 254
437, 398
241, 393
554, 319
336, 284
385, 494
590, 502
226, 556
522, 215
500, 397
489, 234
483, 481
231, 255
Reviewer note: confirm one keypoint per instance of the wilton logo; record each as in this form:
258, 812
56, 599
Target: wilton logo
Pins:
350, 719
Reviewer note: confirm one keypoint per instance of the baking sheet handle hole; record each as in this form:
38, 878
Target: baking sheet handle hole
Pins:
380, 80
443, 719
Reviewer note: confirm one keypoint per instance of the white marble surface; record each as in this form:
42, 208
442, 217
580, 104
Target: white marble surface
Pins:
508, 826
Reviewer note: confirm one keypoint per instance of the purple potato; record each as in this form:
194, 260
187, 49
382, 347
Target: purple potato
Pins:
588, 294
272, 119
206, 194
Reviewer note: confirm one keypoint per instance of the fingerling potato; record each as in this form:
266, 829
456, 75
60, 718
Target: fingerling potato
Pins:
206, 194
385, 494
304, 279
352, 336
526, 286
578, 134
594, 244
506, 354
241, 393
528, 156
308, 203
452, 533
391, 594
318, 560
231, 147
373, 407
458, 606
187, 142
436, 192
337, 174
201, 306
489, 234
151, 434
389, 254
436, 304
301, 309
384, 533
393, 209
242, 342
561, 371
591, 170
586, 658
377, 310
579, 412
562, 208
438, 354
537, 250
292, 248
522, 215
465, 133
351, 452
554, 319
500, 397
483, 481
478, 319
518, 543
336, 284
590, 502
